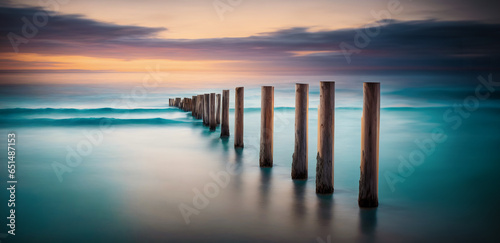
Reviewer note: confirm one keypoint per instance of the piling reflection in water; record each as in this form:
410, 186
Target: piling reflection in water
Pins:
368, 224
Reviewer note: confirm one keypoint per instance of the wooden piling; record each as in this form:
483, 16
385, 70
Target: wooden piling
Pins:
238, 116
186, 104
206, 108
218, 106
370, 128
193, 106
326, 124
299, 158
224, 130
266, 126
211, 118
200, 107
178, 102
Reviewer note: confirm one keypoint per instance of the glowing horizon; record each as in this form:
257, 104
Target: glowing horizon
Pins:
250, 38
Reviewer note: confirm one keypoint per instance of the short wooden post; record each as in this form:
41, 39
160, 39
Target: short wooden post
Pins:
326, 124
266, 126
238, 116
178, 102
193, 106
370, 128
200, 107
206, 108
218, 105
187, 104
299, 162
211, 117
224, 130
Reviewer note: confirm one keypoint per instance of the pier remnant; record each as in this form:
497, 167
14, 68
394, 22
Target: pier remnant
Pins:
193, 106
218, 106
238, 117
211, 117
370, 128
299, 158
224, 130
326, 124
266, 126
206, 108
199, 114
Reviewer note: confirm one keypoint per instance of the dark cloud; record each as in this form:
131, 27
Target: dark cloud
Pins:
70, 29
397, 46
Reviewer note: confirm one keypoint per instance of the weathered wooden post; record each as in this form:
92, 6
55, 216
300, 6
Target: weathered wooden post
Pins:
178, 102
206, 108
217, 113
211, 118
224, 130
266, 126
299, 162
193, 106
326, 125
238, 116
187, 104
200, 106
370, 126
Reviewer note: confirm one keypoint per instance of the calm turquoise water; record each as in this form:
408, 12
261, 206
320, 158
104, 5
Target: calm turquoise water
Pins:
129, 184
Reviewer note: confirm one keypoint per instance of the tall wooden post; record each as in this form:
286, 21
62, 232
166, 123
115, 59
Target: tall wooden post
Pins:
370, 128
211, 118
326, 124
238, 116
224, 130
206, 108
267, 126
299, 162
218, 105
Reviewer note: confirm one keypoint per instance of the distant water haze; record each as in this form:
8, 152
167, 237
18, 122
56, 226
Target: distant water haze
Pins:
125, 91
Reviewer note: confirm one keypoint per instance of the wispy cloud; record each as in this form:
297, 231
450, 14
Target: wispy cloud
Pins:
423, 45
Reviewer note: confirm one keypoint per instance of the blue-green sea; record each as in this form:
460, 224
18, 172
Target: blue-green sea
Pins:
92, 170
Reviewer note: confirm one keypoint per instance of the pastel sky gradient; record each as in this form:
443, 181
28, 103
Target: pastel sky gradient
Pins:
255, 38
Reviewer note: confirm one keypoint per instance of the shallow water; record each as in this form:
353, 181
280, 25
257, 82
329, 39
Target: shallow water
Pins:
129, 185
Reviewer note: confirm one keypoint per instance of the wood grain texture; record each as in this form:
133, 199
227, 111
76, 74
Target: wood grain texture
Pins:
193, 106
218, 106
224, 131
238, 117
370, 128
326, 124
199, 114
266, 126
299, 157
206, 108
211, 117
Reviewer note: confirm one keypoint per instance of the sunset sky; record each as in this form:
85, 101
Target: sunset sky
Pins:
249, 38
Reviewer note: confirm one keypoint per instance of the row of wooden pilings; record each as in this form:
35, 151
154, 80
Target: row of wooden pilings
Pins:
208, 108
